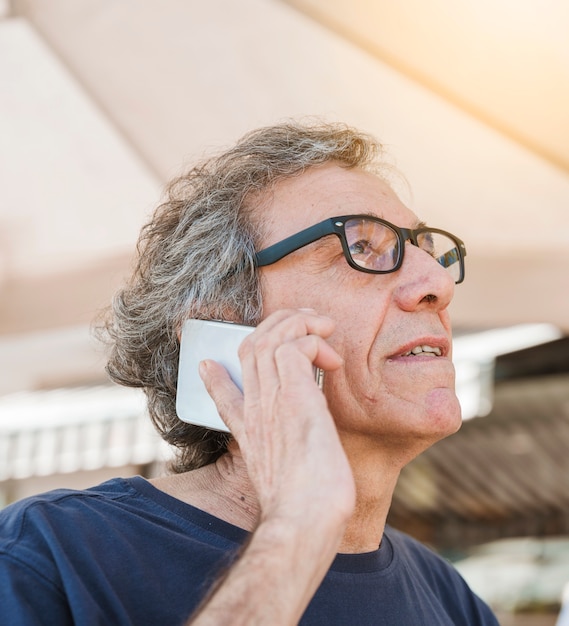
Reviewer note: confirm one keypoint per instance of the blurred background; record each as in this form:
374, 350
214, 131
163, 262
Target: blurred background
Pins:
103, 101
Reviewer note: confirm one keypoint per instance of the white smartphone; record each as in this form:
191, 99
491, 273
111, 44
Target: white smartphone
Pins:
207, 339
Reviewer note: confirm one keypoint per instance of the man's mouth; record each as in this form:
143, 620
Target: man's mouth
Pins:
424, 349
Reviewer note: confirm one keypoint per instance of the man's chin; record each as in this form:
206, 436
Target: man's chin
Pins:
444, 413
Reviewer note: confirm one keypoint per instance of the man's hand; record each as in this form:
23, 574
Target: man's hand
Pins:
296, 465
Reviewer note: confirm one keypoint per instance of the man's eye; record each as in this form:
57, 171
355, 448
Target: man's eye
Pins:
360, 247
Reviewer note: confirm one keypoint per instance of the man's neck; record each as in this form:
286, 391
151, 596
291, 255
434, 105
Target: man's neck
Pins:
374, 488
223, 490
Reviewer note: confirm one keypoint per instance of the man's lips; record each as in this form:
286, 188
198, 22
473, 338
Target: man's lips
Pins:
424, 346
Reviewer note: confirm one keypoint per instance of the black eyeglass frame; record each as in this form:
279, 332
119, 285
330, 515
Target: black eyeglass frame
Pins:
336, 226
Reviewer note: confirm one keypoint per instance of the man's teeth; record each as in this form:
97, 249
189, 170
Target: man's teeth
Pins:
420, 349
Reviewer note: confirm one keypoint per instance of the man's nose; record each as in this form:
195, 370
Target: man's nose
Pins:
424, 282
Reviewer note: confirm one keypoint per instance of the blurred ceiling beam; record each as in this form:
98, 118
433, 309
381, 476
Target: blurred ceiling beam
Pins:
178, 78
506, 62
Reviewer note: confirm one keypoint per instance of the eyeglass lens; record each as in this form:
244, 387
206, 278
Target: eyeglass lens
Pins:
372, 245
375, 246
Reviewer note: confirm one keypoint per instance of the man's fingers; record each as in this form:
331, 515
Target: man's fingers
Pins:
226, 395
283, 327
292, 323
318, 351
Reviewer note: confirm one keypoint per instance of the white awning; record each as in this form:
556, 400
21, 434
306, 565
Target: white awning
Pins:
72, 429
474, 356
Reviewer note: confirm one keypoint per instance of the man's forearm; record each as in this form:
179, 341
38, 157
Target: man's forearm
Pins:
275, 578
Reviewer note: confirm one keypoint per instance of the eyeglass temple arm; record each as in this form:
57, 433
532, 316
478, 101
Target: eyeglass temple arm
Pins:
277, 251
454, 255
449, 258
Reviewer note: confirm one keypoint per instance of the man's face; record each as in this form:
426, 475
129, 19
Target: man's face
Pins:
382, 395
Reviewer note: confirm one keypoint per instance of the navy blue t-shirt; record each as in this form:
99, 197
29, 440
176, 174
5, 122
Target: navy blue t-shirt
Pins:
127, 553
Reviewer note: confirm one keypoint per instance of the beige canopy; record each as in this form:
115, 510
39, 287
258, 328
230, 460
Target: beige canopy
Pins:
103, 101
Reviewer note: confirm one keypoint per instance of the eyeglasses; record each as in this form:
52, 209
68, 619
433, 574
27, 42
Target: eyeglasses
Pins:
374, 245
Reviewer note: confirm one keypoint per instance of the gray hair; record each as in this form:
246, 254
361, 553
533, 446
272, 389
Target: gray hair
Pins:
196, 259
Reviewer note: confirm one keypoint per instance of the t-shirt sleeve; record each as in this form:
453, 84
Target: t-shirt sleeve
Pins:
462, 605
27, 598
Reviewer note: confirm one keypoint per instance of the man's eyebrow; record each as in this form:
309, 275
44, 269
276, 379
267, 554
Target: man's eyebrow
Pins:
420, 224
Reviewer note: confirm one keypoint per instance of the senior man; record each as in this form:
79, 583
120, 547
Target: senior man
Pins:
296, 231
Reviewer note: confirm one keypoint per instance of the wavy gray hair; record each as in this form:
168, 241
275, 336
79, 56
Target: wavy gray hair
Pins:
196, 259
